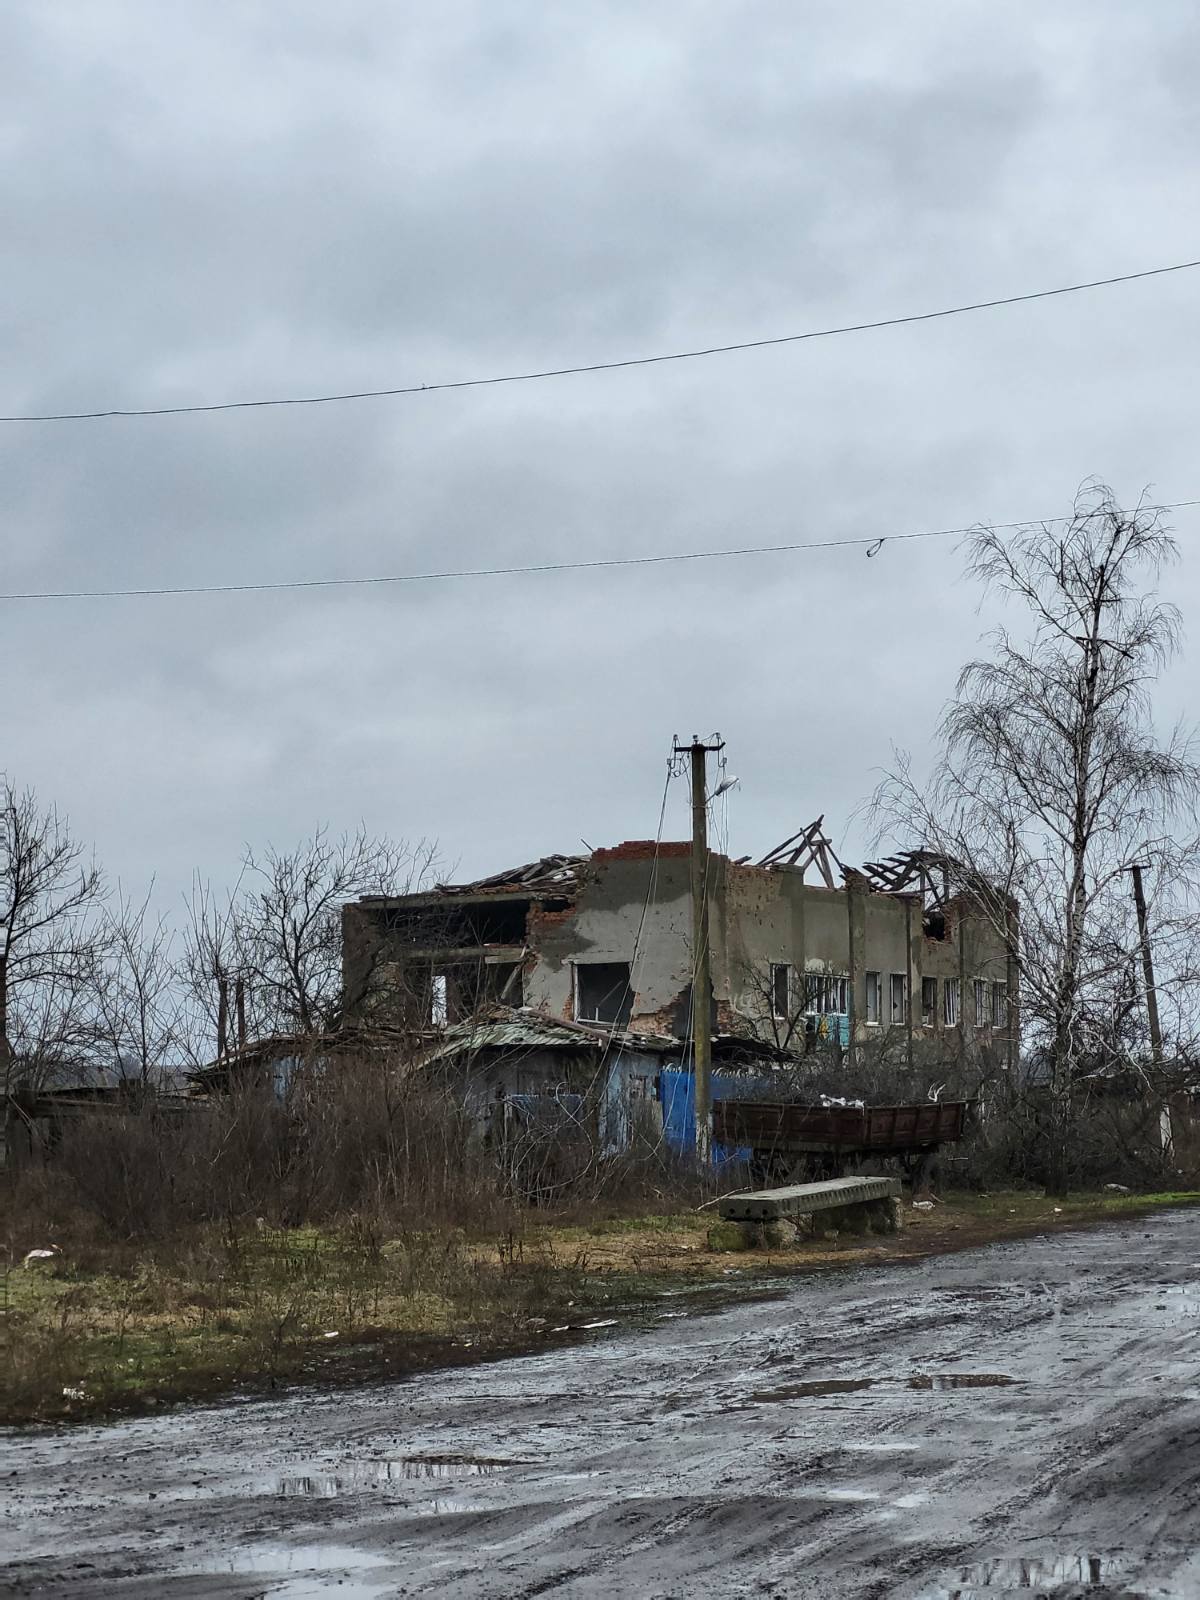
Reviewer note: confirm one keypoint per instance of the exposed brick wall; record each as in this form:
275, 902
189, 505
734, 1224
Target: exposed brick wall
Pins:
642, 850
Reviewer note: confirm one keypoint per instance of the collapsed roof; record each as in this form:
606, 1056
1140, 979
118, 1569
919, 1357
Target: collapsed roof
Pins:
523, 1028
556, 873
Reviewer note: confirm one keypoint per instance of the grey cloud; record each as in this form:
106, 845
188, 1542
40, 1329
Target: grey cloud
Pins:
240, 199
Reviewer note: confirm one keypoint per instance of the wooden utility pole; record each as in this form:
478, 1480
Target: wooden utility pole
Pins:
1139, 899
699, 752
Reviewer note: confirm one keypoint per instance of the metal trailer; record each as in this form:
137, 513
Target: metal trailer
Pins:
794, 1141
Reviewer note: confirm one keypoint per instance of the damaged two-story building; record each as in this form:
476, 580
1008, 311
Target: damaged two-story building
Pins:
907, 949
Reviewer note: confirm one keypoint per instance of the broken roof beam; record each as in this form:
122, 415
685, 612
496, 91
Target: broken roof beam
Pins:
548, 872
809, 847
934, 875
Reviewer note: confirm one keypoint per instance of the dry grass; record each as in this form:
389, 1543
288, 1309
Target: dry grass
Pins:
215, 1313
280, 1307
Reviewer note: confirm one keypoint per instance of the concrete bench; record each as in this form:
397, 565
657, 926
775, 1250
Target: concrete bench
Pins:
853, 1204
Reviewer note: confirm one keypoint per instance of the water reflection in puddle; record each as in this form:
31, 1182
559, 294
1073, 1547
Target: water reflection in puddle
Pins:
923, 1380
818, 1386
345, 1479
960, 1380
1018, 1574
303, 1571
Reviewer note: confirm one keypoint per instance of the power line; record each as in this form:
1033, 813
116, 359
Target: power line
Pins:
600, 366
874, 542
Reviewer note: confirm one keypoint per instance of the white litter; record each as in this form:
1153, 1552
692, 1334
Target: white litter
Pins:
922, 1205
332, 1335
74, 1394
831, 1100
50, 1254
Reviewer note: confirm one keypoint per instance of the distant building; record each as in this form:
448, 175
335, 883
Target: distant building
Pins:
906, 950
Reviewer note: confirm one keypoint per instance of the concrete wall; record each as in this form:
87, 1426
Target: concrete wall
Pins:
757, 917
603, 926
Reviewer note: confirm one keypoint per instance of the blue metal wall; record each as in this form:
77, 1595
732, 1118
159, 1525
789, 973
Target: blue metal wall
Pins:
677, 1091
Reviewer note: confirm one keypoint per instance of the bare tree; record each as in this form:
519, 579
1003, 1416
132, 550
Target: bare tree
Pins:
51, 936
279, 930
1052, 779
139, 1011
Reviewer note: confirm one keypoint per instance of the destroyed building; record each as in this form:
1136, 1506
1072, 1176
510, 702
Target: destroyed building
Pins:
907, 947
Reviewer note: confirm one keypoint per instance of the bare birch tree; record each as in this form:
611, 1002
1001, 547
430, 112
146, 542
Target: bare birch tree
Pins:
1052, 779
51, 937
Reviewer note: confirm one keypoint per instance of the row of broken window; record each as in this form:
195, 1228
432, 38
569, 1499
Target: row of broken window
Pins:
887, 998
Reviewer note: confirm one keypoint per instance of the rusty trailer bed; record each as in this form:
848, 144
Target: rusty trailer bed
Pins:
780, 1128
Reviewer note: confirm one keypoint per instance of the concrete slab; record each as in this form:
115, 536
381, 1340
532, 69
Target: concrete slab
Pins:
801, 1199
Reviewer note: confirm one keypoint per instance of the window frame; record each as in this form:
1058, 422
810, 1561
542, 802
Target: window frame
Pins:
877, 984
983, 1014
627, 1003
784, 969
951, 1002
897, 984
826, 994
1000, 1004
929, 1002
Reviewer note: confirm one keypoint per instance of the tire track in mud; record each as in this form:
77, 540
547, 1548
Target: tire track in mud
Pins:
1030, 1408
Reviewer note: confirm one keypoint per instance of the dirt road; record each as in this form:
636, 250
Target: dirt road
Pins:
1023, 1419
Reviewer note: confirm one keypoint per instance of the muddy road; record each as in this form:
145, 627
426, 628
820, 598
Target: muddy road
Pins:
1022, 1419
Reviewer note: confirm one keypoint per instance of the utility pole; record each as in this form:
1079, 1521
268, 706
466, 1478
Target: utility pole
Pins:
1139, 899
699, 752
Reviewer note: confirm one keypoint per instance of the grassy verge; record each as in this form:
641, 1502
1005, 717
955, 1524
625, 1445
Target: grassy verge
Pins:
213, 1315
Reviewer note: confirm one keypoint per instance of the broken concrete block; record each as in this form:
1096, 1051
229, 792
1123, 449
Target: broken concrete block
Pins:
887, 1216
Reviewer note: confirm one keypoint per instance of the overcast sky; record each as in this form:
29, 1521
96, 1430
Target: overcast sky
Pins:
227, 200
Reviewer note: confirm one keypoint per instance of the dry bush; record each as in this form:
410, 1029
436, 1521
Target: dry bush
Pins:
351, 1142
1014, 1132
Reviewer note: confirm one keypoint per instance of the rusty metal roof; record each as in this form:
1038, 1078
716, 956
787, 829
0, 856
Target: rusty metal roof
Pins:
507, 1028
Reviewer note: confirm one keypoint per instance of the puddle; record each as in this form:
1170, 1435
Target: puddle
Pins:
819, 1386
960, 1380
884, 1447
301, 1571
1015, 1575
923, 1380
365, 1474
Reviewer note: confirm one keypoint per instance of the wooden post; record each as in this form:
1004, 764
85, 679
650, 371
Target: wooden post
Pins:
1139, 896
701, 952
1012, 984
914, 1000
962, 984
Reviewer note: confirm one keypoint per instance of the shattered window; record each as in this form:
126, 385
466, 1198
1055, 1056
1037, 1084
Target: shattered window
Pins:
602, 992
999, 1005
928, 1002
781, 990
899, 997
874, 995
951, 1002
825, 994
